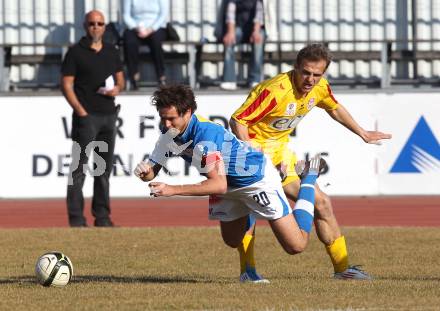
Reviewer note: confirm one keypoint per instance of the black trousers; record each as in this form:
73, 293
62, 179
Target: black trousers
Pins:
95, 133
131, 51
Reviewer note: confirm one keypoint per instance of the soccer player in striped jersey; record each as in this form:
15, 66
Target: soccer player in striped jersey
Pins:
240, 180
270, 113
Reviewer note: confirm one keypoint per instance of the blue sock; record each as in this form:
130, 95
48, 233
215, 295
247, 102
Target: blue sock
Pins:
305, 206
250, 221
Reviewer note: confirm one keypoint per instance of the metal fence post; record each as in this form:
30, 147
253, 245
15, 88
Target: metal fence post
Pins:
385, 58
4, 71
192, 65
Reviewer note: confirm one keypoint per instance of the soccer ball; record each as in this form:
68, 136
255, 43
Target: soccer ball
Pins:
54, 269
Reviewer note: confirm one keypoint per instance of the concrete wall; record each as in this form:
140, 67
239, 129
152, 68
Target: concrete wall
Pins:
36, 145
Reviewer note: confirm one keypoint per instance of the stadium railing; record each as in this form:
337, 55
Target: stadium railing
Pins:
386, 54
282, 56
192, 55
10, 56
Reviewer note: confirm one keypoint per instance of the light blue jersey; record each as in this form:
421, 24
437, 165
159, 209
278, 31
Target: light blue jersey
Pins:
254, 185
149, 13
203, 142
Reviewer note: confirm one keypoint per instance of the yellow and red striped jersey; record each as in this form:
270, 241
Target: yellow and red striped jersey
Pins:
274, 108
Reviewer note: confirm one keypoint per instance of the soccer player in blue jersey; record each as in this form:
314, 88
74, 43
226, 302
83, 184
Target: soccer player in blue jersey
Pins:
240, 180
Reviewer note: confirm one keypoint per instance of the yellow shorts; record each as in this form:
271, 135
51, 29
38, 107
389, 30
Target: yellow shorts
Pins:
285, 163
282, 157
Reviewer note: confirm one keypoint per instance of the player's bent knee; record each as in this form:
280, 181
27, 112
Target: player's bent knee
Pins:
233, 231
296, 248
233, 243
232, 239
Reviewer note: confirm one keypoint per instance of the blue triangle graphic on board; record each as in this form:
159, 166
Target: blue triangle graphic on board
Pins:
421, 152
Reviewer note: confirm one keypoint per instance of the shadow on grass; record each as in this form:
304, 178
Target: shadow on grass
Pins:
138, 279
320, 277
29, 279
25, 279
407, 278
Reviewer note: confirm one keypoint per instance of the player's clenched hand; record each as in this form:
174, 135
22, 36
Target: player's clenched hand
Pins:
375, 137
160, 189
142, 170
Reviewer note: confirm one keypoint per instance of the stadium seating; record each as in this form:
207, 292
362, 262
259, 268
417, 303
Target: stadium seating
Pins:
373, 45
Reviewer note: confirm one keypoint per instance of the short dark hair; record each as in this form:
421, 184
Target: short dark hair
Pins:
314, 52
177, 95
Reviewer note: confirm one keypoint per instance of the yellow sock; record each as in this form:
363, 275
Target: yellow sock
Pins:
246, 251
338, 254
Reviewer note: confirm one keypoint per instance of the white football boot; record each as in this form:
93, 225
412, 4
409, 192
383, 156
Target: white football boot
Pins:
352, 273
251, 276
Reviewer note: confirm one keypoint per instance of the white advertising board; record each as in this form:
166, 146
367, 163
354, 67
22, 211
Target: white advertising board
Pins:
36, 145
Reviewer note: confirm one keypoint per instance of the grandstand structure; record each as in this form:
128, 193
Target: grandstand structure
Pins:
376, 43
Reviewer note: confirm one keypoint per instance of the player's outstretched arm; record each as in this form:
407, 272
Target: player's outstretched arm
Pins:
147, 171
375, 137
341, 115
215, 183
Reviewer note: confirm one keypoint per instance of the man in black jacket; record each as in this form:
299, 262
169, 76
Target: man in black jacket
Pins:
92, 75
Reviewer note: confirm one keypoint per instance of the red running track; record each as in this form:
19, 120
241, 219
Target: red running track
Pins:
350, 211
